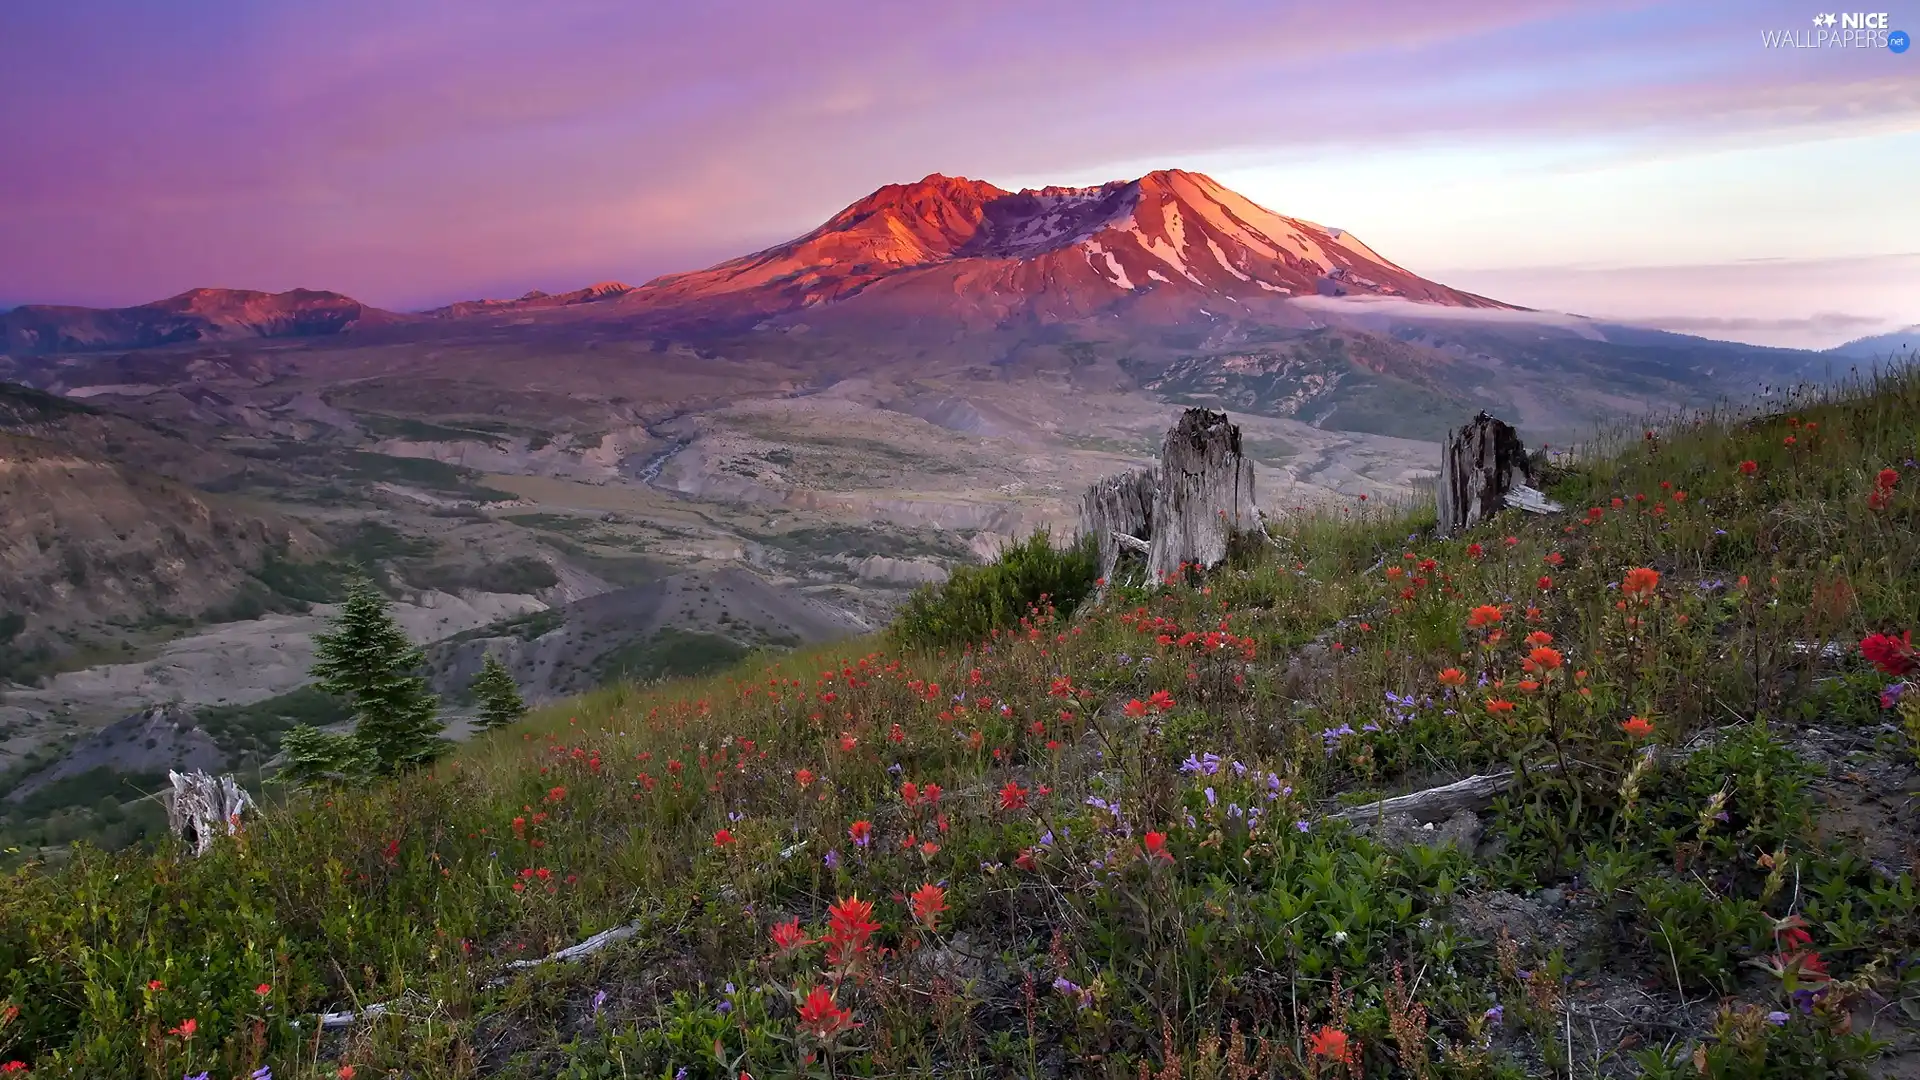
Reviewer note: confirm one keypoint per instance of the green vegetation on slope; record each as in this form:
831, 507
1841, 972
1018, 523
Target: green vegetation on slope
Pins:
1102, 846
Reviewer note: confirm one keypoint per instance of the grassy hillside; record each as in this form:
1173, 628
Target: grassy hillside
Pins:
1102, 844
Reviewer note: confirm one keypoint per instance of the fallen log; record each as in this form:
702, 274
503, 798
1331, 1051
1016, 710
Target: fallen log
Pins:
1532, 500
1433, 804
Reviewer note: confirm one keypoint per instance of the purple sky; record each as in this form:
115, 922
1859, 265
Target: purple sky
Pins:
1635, 160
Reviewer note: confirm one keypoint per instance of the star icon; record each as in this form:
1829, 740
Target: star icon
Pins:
1819, 20
1829, 18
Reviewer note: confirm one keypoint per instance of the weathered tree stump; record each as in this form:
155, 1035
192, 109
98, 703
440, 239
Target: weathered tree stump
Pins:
1205, 494
1186, 511
1484, 468
202, 807
1118, 513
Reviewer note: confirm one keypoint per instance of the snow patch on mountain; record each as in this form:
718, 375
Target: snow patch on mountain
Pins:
1214, 246
1120, 277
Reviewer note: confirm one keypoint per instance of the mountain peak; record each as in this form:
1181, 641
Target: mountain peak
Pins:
1173, 241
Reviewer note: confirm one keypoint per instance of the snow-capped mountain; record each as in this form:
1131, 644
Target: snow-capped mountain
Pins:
1169, 244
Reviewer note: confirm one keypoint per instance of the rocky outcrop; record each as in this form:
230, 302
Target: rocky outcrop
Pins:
85, 540
151, 741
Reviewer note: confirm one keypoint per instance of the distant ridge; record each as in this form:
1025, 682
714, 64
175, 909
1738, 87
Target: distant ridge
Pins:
194, 315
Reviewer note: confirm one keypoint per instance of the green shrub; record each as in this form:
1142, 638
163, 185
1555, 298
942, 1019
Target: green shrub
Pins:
978, 600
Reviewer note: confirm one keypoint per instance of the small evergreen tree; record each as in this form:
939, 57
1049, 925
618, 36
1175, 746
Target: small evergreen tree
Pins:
500, 701
367, 660
313, 757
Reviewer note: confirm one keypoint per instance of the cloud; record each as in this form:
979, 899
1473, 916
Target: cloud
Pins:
1821, 325
1801, 303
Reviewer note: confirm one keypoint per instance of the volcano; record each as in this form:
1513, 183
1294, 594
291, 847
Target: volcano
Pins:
1169, 246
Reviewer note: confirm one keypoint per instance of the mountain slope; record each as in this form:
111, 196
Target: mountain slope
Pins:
533, 300
1880, 346
194, 315
1170, 245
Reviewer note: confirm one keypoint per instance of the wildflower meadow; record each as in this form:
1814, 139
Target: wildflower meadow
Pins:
1138, 835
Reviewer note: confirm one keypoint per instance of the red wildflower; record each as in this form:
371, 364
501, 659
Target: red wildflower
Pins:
186, 1029
1546, 583
1160, 700
722, 838
1539, 638
156, 984
1474, 551
1543, 659
1156, 844
1136, 708
1499, 705
1013, 796
1484, 615
928, 902
1749, 467
1641, 581
803, 777
13, 1068
910, 793
849, 925
263, 989
787, 936
1554, 558
1331, 1043
1452, 676
822, 1017
861, 832
1636, 726
1892, 655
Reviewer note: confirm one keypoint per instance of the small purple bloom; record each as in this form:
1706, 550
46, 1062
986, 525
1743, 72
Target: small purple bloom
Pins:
1303, 825
1777, 1018
832, 859
1494, 1015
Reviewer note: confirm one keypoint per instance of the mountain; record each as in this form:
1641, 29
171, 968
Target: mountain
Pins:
1880, 346
196, 315
533, 300
1169, 246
